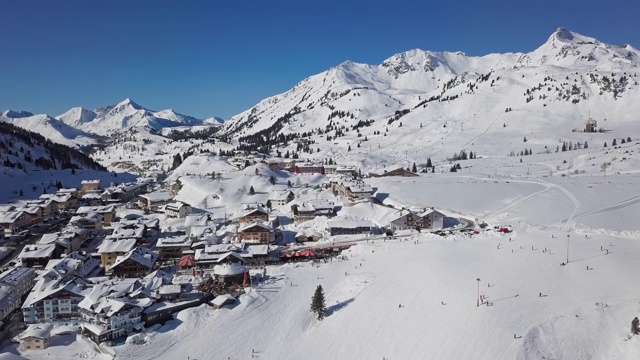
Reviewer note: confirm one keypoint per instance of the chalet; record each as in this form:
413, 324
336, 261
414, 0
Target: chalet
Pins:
308, 235
314, 208
91, 221
426, 219
47, 206
152, 201
14, 221
280, 197
64, 202
112, 248
14, 285
172, 247
256, 232
349, 227
123, 192
276, 163
36, 337
309, 168
59, 289
177, 209
53, 299
258, 213
352, 189
91, 186
202, 236
430, 219
111, 318
136, 263
108, 212
36, 255
35, 213
91, 199
399, 171
66, 241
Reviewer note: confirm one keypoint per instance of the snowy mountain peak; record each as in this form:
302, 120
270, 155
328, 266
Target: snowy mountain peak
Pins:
76, 116
129, 102
16, 114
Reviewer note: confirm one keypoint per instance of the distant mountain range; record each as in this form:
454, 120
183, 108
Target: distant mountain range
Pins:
79, 127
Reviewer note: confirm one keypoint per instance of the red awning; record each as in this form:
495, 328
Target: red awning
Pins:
187, 261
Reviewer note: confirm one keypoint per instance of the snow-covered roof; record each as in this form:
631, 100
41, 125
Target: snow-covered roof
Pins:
252, 210
223, 248
223, 299
83, 182
128, 229
158, 196
229, 269
316, 204
10, 217
90, 217
174, 240
175, 206
257, 222
96, 209
91, 196
260, 250
37, 251
16, 275
38, 331
142, 256
117, 245
349, 223
169, 289
279, 195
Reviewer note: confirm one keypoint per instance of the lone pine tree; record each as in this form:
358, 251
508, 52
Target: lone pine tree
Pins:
317, 303
635, 326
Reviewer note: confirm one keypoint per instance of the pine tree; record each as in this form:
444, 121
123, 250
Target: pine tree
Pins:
21, 193
429, 164
317, 303
525, 139
605, 144
628, 138
635, 326
349, 149
586, 145
268, 204
289, 183
564, 146
257, 172
614, 143
414, 168
272, 180
251, 191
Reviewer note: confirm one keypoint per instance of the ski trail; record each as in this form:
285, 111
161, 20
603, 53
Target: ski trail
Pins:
520, 200
598, 210
573, 199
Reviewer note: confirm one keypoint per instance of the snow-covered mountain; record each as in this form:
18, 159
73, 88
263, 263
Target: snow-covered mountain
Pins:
123, 116
440, 95
54, 129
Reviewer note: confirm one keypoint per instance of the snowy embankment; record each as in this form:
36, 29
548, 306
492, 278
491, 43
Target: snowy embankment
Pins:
387, 300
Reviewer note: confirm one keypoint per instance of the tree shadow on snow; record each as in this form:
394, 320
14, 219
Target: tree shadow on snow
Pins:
333, 308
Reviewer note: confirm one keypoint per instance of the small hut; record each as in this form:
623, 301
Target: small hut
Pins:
223, 300
232, 273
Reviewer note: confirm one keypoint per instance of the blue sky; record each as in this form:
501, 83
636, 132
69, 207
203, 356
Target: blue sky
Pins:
218, 58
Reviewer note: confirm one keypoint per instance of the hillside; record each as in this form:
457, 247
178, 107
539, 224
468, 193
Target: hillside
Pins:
30, 162
55, 130
448, 101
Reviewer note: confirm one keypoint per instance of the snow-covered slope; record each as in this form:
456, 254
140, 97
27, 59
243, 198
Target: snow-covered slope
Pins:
448, 97
54, 129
